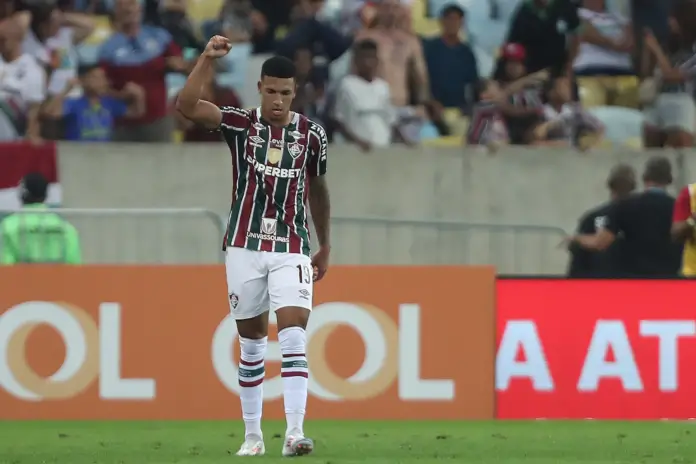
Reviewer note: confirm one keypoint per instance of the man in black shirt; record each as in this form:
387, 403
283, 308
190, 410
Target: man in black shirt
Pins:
586, 263
548, 30
645, 221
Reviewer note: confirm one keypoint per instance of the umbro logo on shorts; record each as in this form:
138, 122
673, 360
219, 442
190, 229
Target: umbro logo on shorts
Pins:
304, 294
234, 300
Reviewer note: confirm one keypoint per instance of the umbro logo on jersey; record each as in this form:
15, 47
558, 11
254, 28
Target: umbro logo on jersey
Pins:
256, 139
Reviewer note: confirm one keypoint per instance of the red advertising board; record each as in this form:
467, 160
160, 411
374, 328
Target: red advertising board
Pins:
611, 349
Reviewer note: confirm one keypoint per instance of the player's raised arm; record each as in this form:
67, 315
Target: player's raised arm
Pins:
189, 103
319, 198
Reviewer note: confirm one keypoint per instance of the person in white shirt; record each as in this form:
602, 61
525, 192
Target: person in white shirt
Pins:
51, 38
607, 42
363, 110
604, 64
22, 87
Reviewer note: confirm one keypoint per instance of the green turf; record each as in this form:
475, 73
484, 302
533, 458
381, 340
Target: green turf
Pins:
353, 442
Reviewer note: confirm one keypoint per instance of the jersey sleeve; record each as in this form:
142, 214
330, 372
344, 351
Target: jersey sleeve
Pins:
234, 119
8, 255
73, 253
318, 147
682, 206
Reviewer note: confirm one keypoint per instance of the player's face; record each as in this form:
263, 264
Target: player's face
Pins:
276, 97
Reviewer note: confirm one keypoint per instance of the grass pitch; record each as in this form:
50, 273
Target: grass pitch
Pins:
538, 442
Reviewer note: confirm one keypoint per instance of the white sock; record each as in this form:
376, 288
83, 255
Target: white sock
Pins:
295, 376
251, 374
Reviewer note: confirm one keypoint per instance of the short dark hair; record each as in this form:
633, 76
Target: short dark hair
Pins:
278, 66
34, 186
365, 45
85, 69
452, 8
622, 179
658, 170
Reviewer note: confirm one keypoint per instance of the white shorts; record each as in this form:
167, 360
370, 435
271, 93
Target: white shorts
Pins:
259, 281
672, 111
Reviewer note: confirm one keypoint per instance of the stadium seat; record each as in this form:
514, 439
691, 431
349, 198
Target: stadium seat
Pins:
101, 32
202, 10
456, 121
421, 23
623, 126
608, 90
450, 141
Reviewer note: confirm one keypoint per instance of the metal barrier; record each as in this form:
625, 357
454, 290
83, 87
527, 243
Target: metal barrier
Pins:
511, 248
143, 236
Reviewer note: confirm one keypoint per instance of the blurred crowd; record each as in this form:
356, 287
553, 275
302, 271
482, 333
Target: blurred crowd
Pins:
580, 73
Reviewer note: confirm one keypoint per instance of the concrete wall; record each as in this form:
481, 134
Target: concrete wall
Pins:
410, 192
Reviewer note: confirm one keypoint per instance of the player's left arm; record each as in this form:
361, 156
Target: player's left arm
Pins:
319, 197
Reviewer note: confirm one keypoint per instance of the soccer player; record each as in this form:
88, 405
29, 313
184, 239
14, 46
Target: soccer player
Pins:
278, 164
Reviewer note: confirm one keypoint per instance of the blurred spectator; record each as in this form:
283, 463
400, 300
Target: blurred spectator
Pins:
173, 18
90, 118
654, 15
566, 123
671, 119
452, 68
22, 87
52, 37
142, 55
307, 31
547, 29
34, 236
310, 99
269, 20
237, 20
487, 126
597, 264
364, 112
399, 53
644, 221
356, 15
606, 42
524, 108
211, 92
605, 52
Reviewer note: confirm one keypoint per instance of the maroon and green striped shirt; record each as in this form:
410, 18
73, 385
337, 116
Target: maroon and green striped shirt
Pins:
271, 168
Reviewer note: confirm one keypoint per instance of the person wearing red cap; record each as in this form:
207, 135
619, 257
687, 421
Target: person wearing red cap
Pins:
523, 110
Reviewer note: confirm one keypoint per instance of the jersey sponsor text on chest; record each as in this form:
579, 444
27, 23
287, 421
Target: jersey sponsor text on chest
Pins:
273, 171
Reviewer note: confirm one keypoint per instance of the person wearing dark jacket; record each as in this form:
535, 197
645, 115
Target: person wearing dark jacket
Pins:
596, 264
644, 221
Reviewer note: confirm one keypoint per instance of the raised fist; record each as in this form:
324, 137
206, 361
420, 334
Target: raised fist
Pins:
217, 47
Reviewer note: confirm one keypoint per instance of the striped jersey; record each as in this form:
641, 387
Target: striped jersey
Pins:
271, 168
487, 124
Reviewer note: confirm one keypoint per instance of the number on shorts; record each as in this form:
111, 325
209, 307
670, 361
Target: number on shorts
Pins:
305, 274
